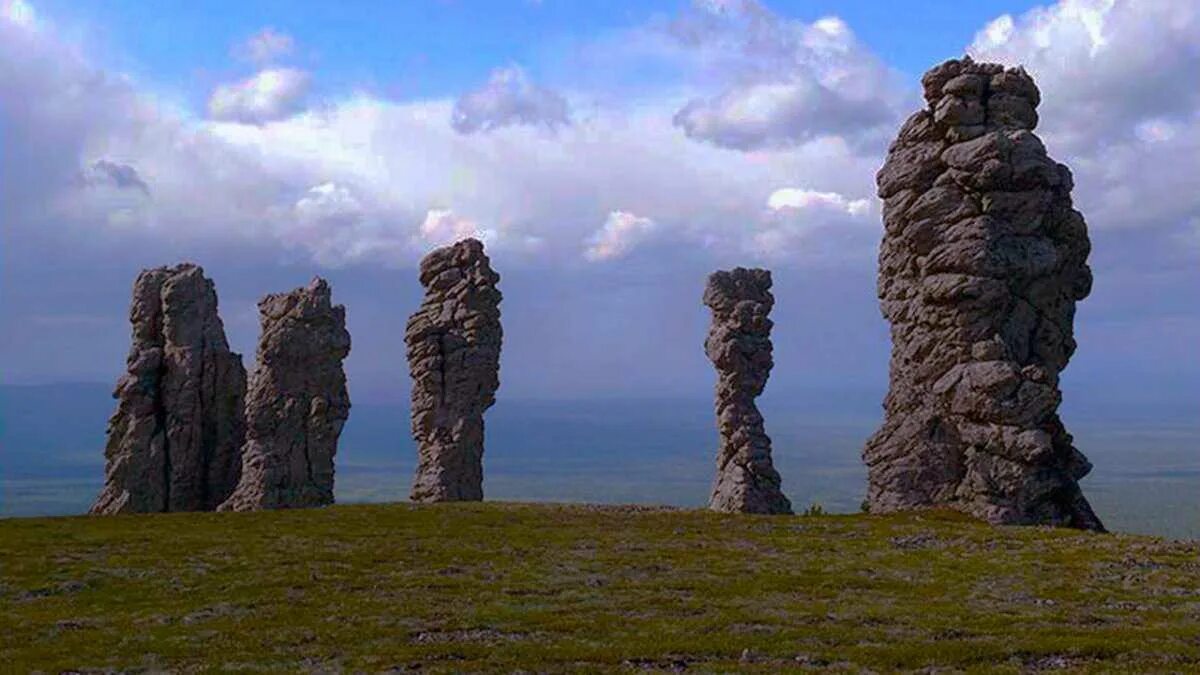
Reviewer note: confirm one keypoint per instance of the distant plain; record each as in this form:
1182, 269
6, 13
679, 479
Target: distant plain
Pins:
621, 451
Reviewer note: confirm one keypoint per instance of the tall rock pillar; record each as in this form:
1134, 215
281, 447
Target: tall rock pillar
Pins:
739, 345
454, 358
174, 442
297, 402
982, 262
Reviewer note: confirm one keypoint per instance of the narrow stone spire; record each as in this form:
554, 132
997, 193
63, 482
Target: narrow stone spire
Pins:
174, 442
739, 345
982, 261
297, 402
454, 358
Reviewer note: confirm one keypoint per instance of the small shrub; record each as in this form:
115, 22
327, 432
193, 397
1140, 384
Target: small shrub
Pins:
814, 509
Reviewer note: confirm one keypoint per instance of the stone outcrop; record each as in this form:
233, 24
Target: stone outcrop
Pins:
454, 358
297, 402
739, 345
982, 262
174, 443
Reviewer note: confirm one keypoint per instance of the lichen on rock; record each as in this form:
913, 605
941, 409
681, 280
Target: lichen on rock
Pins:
982, 261
739, 345
453, 343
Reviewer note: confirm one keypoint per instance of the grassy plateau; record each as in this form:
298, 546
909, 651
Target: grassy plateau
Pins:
552, 588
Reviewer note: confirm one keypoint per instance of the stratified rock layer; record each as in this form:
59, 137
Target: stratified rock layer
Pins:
174, 443
454, 358
739, 345
982, 262
297, 402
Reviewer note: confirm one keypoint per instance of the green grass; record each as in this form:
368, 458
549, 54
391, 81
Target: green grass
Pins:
495, 586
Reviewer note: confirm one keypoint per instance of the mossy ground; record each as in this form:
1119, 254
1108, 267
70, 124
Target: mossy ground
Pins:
494, 586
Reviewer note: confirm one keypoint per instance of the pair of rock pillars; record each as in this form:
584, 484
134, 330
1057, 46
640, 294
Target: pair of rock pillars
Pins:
189, 432
982, 261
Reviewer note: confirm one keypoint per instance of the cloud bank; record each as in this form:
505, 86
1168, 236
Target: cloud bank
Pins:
765, 149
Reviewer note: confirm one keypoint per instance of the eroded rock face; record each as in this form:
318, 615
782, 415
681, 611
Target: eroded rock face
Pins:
297, 402
174, 443
454, 358
739, 345
982, 262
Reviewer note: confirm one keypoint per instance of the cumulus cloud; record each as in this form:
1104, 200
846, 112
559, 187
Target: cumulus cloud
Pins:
329, 204
776, 115
509, 98
18, 12
619, 235
800, 199
335, 227
265, 46
812, 224
784, 81
352, 182
443, 226
269, 95
1115, 107
1107, 64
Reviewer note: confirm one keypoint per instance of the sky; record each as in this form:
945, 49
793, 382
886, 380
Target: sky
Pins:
610, 154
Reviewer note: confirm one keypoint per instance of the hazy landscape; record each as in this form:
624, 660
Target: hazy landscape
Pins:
621, 451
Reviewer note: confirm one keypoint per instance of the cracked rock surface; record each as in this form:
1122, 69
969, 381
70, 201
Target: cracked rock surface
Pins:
297, 402
739, 345
174, 442
982, 262
454, 358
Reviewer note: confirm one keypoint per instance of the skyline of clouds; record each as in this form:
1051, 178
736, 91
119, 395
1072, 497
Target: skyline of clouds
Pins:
756, 142
771, 103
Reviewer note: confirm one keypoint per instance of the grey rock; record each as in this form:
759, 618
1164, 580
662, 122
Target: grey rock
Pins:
739, 345
297, 402
174, 442
453, 344
982, 262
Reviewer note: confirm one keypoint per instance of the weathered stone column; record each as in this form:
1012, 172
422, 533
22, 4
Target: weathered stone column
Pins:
982, 262
739, 345
174, 442
454, 358
297, 402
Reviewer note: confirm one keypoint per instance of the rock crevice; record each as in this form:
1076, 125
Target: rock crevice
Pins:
739, 345
982, 261
174, 442
297, 402
453, 343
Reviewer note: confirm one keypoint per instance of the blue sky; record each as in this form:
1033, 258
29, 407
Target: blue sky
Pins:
429, 48
611, 154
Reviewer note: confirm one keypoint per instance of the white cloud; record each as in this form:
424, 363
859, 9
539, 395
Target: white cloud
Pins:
619, 235
776, 115
266, 46
271, 94
816, 226
1119, 104
353, 182
443, 226
782, 81
329, 203
18, 12
798, 198
509, 98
